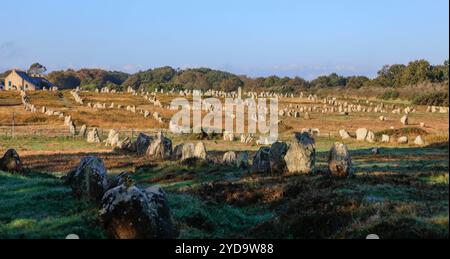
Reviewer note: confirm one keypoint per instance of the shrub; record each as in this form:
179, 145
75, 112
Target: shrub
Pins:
389, 95
432, 99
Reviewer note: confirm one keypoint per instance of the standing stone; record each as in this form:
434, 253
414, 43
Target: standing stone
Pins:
361, 134
132, 213
301, 155
113, 138
339, 161
227, 136
72, 129
10, 162
242, 160
93, 136
261, 161
344, 134
142, 143
161, 148
187, 151
403, 140
307, 116
385, 138
370, 137
83, 131
419, 141
67, 120
89, 179
405, 120
229, 158
200, 151
277, 153
375, 151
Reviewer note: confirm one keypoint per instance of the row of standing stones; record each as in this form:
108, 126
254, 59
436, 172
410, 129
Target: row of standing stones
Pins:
129, 212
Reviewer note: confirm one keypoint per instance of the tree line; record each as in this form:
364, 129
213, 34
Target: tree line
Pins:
389, 76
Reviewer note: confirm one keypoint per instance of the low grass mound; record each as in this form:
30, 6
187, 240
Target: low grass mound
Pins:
410, 131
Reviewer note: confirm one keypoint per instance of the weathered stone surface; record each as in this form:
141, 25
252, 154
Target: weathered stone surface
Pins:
261, 161
93, 136
385, 138
125, 145
301, 155
339, 161
370, 137
419, 141
403, 140
123, 178
242, 160
72, 129
361, 134
229, 158
132, 213
344, 134
277, 153
113, 138
142, 143
83, 131
88, 180
200, 151
405, 120
228, 136
10, 162
187, 151
160, 148
177, 152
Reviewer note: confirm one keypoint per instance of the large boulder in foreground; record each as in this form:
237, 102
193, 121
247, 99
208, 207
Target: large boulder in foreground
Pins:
301, 155
132, 213
261, 161
88, 180
161, 148
339, 161
10, 162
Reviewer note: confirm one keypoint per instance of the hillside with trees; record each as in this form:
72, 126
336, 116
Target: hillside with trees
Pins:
392, 82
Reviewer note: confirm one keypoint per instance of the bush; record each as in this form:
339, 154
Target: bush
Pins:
432, 99
390, 95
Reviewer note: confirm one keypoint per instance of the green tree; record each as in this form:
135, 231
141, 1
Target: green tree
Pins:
37, 69
416, 72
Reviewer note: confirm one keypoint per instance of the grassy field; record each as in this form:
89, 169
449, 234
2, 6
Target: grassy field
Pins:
400, 193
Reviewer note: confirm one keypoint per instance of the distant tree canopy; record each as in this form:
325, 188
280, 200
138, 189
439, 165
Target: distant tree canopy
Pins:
389, 76
416, 72
87, 78
37, 69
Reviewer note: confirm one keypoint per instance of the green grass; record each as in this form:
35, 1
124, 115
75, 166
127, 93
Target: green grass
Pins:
199, 219
401, 193
39, 206
39, 143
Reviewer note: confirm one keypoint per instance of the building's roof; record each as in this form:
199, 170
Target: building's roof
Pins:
26, 77
37, 81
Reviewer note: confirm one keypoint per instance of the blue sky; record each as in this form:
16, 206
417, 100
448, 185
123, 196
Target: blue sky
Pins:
254, 37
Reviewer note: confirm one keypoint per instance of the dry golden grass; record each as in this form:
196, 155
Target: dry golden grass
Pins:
329, 124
